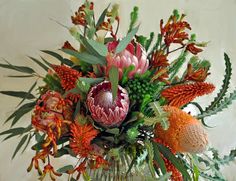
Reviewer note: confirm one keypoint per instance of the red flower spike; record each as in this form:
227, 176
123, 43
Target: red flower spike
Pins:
82, 135
180, 95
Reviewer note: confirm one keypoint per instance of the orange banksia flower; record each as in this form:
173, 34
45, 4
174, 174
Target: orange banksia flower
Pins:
180, 95
185, 133
82, 135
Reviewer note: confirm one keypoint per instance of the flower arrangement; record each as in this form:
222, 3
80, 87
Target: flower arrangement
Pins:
116, 105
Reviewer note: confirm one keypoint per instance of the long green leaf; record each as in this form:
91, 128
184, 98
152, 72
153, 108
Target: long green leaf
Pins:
21, 109
150, 151
65, 168
125, 41
86, 57
19, 115
58, 57
20, 76
158, 158
114, 79
225, 86
46, 62
28, 93
22, 69
27, 143
39, 63
22, 141
102, 17
16, 131
100, 48
20, 94
91, 81
175, 161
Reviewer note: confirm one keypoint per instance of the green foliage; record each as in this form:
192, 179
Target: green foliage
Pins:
174, 160
125, 41
114, 79
144, 41
99, 48
150, 151
58, 57
160, 116
221, 102
176, 65
132, 134
86, 57
21, 111
28, 93
39, 63
20, 144
19, 94
133, 18
53, 82
102, 17
65, 169
22, 69
158, 158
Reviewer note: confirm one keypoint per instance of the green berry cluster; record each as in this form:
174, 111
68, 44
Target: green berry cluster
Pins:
138, 88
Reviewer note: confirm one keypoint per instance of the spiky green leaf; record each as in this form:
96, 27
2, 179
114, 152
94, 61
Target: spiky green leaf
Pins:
225, 86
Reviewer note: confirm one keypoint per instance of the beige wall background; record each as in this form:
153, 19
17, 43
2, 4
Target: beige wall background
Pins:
26, 28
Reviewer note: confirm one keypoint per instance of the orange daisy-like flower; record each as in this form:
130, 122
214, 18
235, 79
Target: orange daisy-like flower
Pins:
185, 133
180, 95
82, 135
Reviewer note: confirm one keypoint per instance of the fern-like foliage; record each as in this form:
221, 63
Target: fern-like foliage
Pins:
226, 82
221, 102
160, 116
219, 106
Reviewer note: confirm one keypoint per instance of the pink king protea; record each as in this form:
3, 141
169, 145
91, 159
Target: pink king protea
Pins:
133, 55
104, 110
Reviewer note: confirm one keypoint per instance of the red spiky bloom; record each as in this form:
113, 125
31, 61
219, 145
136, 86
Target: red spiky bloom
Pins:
82, 135
180, 95
68, 77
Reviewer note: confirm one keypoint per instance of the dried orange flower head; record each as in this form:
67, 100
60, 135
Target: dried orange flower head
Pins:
185, 133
